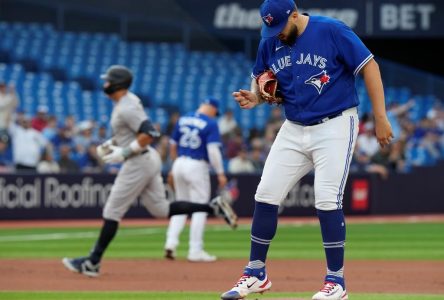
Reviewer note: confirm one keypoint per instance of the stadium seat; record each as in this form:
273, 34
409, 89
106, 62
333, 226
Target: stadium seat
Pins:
62, 70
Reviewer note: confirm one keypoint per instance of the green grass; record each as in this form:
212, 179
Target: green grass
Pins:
186, 296
417, 241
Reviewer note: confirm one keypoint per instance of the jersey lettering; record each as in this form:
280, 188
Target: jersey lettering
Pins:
191, 121
190, 137
316, 61
282, 63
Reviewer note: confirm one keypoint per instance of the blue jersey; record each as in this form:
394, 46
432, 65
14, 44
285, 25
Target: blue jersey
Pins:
192, 134
316, 75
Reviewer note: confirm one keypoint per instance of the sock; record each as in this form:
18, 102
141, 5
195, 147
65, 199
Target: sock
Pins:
333, 237
263, 230
186, 208
109, 229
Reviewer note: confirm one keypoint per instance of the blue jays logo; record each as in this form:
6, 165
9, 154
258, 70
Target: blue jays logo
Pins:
319, 80
268, 19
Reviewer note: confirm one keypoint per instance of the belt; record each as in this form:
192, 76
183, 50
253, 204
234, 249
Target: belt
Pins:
323, 120
193, 158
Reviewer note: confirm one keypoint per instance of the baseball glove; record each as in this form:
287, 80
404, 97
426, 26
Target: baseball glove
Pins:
268, 84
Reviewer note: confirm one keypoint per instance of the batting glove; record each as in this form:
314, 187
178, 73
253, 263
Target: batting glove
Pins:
117, 155
104, 149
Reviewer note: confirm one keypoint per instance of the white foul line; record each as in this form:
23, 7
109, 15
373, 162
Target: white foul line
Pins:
74, 235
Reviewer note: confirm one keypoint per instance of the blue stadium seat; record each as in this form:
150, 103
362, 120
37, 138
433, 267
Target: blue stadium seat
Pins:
55, 68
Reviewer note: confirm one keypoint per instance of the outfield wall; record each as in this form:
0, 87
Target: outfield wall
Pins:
82, 196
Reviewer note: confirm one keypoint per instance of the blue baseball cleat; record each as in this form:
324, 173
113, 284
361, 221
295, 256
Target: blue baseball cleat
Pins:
82, 265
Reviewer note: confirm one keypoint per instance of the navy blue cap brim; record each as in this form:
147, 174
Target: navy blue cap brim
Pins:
268, 32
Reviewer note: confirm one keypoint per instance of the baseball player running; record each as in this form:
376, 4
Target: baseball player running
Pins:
195, 141
140, 173
315, 60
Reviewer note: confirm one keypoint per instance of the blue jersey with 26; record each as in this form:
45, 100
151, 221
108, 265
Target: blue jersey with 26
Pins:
193, 132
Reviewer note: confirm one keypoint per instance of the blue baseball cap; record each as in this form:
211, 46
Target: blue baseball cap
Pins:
213, 102
274, 14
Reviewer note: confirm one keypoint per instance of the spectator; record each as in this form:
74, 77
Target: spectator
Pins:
436, 115
240, 163
233, 144
67, 165
92, 162
227, 123
364, 120
269, 137
394, 113
28, 144
257, 159
48, 165
82, 140
276, 118
255, 134
367, 142
101, 135
19, 116
63, 136
397, 157
174, 117
50, 131
8, 103
6, 162
163, 148
360, 162
70, 123
40, 121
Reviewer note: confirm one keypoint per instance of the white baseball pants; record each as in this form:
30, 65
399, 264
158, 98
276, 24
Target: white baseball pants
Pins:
326, 147
192, 183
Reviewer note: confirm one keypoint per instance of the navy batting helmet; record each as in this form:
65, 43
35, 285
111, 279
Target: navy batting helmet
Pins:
119, 78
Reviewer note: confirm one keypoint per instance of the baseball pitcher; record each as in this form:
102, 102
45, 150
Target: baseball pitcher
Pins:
314, 61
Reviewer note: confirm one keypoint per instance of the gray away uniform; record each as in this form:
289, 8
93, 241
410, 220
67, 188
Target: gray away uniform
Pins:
140, 175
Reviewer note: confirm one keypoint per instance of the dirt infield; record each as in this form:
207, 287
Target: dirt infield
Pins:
159, 275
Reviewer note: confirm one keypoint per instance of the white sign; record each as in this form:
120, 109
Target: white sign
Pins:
406, 17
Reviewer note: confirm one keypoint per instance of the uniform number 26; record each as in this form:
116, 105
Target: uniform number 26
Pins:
190, 138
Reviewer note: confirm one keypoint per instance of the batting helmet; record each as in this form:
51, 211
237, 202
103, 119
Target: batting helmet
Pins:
119, 78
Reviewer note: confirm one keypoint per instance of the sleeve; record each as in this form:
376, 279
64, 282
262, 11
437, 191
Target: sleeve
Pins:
215, 158
133, 117
261, 60
351, 49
